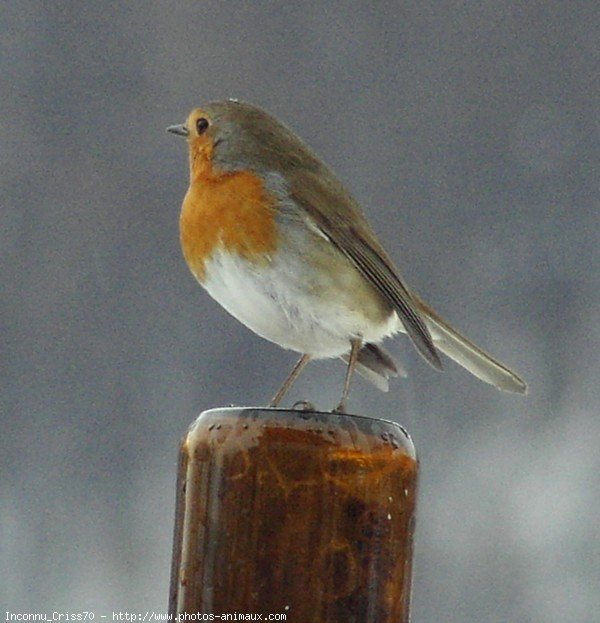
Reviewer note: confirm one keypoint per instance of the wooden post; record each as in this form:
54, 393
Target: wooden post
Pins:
304, 514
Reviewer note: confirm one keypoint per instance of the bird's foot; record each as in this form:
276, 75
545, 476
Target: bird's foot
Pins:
341, 408
303, 405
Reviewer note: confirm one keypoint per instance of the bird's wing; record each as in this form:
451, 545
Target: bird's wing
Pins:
337, 215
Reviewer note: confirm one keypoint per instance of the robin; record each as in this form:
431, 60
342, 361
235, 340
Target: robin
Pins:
273, 235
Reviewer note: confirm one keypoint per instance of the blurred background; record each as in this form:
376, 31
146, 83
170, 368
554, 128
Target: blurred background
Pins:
469, 131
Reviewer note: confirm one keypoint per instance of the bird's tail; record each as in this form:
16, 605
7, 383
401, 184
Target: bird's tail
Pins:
465, 353
376, 366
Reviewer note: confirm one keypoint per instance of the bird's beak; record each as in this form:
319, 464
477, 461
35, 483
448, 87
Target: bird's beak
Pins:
180, 130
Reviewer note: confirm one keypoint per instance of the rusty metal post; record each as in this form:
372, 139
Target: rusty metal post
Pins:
297, 513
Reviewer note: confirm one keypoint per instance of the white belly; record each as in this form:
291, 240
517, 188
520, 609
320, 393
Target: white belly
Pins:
288, 303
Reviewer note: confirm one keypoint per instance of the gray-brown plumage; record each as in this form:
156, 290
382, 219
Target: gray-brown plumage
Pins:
326, 253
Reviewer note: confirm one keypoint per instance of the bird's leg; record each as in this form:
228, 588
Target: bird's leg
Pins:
355, 343
293, 375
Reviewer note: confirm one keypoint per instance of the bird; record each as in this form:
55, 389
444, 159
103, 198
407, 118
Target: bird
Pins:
272, 234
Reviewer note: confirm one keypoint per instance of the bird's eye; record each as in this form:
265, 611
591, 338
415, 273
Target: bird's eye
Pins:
201, 125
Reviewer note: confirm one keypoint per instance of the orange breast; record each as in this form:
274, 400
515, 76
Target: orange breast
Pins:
232, 211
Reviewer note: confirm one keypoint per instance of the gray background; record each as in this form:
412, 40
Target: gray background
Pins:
470, 133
